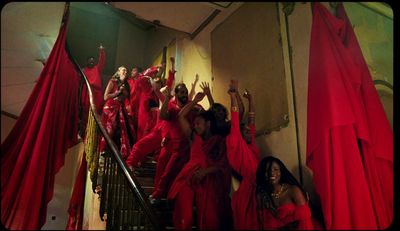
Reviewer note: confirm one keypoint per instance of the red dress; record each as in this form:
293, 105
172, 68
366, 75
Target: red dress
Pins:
349, 138
115, 118
132, 103
175, 151
151, 142
243, 158
145, 92
211, 195
94, 77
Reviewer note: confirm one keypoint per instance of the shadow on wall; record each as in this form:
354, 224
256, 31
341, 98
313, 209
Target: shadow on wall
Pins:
265, 150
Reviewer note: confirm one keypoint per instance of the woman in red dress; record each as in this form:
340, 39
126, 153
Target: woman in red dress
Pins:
114, 117
268, 196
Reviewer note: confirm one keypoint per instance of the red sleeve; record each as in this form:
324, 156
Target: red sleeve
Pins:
102, 60
171, 78
253, 145
239, 155
302, 214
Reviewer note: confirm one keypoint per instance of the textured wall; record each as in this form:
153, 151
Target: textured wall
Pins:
247, 47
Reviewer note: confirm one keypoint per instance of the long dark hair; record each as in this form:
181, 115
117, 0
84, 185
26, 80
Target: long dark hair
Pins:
265, 188
209, 116
218, 105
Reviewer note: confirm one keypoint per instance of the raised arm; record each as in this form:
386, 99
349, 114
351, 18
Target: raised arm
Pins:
192, 90
108, 94
206, 89
238, 152
164, 107
171, 74
252, 108
235, 85
102, 58
184, 123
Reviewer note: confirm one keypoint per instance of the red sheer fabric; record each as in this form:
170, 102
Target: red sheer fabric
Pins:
349, 139
34, 150
77, 201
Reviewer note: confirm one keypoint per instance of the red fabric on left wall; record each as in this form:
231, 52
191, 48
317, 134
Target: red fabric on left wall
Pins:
77, 201
35, 149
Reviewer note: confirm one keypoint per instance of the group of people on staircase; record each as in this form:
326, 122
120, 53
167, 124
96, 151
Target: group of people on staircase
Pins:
203, 159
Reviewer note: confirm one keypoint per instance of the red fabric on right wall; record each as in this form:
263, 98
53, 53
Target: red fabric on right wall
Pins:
349, 138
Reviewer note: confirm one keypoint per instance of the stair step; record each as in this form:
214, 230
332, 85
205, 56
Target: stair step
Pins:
146, 181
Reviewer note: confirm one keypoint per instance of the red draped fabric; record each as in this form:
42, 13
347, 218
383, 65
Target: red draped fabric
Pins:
77, 201
34, 151
349, 139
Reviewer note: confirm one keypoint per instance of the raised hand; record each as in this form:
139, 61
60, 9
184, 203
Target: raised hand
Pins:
247, 94
205, 87
232, 88
234, 84
172, 59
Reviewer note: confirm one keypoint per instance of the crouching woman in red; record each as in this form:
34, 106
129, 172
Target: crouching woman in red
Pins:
281, 202
268, 196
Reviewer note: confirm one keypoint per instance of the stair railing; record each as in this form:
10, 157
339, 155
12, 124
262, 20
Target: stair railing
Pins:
118, 168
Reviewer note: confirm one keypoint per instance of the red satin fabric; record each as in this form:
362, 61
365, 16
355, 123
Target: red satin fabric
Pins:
77, 201
150, 71
286, 214
349, 139
212, 194
34, 151
147, 145
115, 118
175, 152
146, 93
132, 104
243, 158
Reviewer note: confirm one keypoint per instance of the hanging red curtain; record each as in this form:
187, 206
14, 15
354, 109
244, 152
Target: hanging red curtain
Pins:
349, 138
34, 150
76, 204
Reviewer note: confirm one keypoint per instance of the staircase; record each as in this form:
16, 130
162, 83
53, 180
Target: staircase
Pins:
118, 205
145, 175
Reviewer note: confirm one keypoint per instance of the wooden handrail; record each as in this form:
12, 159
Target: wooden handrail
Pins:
133, 182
